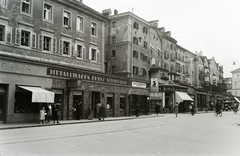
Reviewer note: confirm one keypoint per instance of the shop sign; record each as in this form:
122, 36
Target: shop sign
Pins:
73, 83
139, 84
11, 65
86, 76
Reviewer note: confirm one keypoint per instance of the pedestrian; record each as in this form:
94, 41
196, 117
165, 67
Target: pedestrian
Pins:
176, 109
55, 113
102, 112
47, 120
137, 110
157, 108
78, 110
207, 105
98, 107
42, 115
191, 106
90, 112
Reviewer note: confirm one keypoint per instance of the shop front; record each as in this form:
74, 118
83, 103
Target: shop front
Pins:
139, 96
87, 89
24, 89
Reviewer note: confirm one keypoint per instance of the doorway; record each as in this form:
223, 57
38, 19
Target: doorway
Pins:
78, 105
95, 100
2, 104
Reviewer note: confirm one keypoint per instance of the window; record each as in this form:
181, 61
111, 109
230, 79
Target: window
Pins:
2, 33
135, 70
93, 54
94, 29
135, 25
144, 72
25, 38
79, 23
79, 51
114, 24
145, 44
113, 69
3, 3
66, 48
47, 12
26, 6
122, 101
135, 54
47, 41
135, 40
66, 19
114, 39
145, 30
113, 53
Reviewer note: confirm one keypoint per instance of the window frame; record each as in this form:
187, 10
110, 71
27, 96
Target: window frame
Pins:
82, 25
3, 33
77, 44
51, 12
30, 7
96, 31
69, 23
3, 3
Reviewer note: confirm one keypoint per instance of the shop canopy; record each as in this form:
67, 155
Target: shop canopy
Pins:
40, 95
236, 99
182, 96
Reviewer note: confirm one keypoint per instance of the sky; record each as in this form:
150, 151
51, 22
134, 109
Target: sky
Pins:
210, 26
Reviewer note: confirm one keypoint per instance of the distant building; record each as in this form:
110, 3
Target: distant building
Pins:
235, 82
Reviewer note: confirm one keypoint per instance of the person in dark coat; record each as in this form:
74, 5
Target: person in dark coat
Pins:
78, 106
157, 108
55, 112
137, 110
102, 112
176, 109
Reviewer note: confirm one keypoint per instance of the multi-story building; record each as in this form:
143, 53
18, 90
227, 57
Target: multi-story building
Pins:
235, 91
53, 52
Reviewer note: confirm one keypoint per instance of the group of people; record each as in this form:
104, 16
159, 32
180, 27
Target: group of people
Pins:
175, 108
49, 112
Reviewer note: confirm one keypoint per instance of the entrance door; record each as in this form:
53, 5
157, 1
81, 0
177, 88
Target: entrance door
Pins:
78, 105
2, 102
95, 100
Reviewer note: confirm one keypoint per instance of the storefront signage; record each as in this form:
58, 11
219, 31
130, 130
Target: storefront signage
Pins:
139, 84
73, 83
86, 76
12, 65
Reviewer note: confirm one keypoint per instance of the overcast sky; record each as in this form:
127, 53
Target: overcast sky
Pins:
210, 26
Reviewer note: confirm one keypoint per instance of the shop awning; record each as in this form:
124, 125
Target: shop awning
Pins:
236, 99
40, 95
182, 96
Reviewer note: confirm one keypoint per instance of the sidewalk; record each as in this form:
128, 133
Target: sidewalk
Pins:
65, 122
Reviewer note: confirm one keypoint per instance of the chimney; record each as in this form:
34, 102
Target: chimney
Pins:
107, 12
115, 12
154, 23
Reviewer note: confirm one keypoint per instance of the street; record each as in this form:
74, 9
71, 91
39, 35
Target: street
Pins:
201, 134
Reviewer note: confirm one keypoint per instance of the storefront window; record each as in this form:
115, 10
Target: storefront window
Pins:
23, 103
122, 101
109, 101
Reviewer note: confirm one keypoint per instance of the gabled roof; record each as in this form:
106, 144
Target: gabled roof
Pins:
236, 71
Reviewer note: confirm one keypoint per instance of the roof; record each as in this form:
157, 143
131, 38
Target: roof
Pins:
236, 71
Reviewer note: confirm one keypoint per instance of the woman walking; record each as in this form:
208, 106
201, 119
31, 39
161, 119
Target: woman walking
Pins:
176, 109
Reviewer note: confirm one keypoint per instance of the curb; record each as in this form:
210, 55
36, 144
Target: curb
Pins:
79, 122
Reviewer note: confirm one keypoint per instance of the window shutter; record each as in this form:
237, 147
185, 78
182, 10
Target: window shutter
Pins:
9, 35
84, 52
54, 45
90, 54
17, 36
71, 50
60, 47
34, 40
40, 41
98, 56
75, 50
